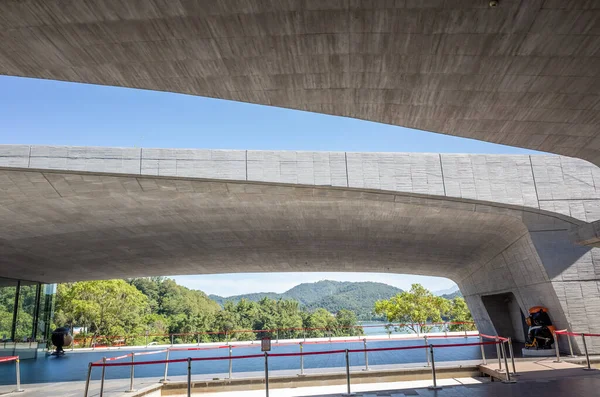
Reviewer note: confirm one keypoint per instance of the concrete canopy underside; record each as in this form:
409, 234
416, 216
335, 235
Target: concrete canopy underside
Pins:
127, 226
525, 73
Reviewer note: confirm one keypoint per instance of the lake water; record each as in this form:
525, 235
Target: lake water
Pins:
73, 366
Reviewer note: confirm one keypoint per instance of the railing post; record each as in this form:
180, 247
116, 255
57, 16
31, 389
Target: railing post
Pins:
499, 354
587, 356
570, 344
164, 379
230, 362
301, 359
189, 377
131, 374
171, 340
87, 380
348, 373
557, 351
366, 355
426, 352
18, 371
102, 378
433, 375
508, 380
482, 350
512, 356
198, 338
267, 373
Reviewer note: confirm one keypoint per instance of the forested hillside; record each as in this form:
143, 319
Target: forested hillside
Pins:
127, 310
359, 297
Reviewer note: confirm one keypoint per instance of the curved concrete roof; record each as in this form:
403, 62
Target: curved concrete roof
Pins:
96, 213
66, 226
525, 73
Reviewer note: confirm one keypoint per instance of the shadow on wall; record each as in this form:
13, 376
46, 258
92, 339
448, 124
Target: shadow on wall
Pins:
558, 253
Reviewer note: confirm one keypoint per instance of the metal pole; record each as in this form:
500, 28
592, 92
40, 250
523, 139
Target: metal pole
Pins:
435, 386
267, 373
482, 350
304, 332
87, 381
198, 338
366, 356
230, 362
348, 372
171, 340
426, 353
189, 377
301, 359
508, 380
587, 356
570, 345
556, 347
18, 369
102, 378
499, 354
164, 379
146, 338
512, 356
131, 374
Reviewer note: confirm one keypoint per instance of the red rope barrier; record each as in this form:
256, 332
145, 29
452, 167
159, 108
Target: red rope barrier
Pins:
565, 332
10, 358
148, 353
493, 337
96, 364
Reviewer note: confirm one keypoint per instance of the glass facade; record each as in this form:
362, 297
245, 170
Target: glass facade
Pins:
26, 310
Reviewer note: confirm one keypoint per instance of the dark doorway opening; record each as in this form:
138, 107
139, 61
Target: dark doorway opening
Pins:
506, 315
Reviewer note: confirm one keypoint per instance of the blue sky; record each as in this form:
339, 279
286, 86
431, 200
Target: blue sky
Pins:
56, 113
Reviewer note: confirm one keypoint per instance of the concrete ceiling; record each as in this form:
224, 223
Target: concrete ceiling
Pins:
67, 226
525, 73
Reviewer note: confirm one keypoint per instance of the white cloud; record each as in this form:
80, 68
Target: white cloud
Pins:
244, 283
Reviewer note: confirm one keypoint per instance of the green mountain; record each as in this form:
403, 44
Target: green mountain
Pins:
455, 294
359, 297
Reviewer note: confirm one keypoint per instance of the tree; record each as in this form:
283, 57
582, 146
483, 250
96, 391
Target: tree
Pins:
346, 321
111, 307
459, 312
414, 308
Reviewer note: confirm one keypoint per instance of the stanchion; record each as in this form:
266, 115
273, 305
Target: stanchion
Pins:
482, 350
512, 356
131, 374
570, 344
499, 354
349, 393
189, 377
87, 380
18, 371
102, 378
164, 379
426, 352
366, 355
557, 351
587, 356
230, 362
267, 373
507, 380
301, 359
435, 386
